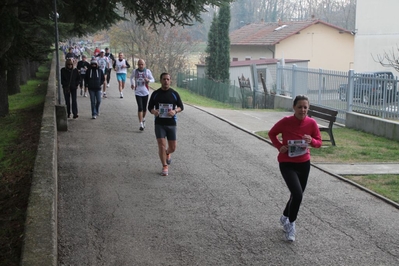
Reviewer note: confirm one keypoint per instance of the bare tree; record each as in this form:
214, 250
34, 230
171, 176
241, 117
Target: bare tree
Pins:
389, 59
338, 12
164, 50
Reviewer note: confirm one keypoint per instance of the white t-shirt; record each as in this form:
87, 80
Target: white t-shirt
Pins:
137, 79
120, 66
102, 63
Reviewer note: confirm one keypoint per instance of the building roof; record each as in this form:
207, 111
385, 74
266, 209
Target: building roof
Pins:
266, 61
271, 33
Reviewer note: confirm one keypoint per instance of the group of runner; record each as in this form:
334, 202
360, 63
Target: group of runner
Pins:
94, 77
298, 132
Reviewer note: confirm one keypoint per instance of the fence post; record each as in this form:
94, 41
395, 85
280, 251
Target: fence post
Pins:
350, 90
293, 84
321, 87
255, 83
278, 79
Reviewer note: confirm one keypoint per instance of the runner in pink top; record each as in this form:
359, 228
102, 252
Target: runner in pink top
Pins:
297, 132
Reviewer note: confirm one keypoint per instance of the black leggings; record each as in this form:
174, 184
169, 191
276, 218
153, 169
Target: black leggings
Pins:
296, 178
142, 103
108, 74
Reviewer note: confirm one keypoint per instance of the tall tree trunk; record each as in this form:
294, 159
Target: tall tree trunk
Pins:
13, 79
33, 67
24, 71
4, 106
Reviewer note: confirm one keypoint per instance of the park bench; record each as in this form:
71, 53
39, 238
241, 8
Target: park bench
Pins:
327, 115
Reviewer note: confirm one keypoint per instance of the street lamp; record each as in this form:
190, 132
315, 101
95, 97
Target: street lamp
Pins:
57, 52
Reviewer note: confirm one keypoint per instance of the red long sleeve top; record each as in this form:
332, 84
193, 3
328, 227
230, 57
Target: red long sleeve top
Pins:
291, 128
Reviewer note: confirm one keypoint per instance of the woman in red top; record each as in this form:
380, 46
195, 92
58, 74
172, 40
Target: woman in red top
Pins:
298, 132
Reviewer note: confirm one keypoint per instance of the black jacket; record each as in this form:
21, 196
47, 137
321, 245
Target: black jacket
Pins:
94, 79
69, 78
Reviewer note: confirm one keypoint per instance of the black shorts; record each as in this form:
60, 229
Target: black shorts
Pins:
142, 103
168, 132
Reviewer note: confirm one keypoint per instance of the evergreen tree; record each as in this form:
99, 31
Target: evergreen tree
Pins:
224, 43
211, 62
218, 48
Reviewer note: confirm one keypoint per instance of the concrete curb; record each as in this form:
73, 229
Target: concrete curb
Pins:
396, 205
40, 238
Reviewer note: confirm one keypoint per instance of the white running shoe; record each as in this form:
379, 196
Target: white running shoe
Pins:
121, 95
143, 122
289, 229
141, 126
284, 220
107, 85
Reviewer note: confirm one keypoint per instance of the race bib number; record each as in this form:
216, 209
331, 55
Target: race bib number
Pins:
140, 82
164, 108
297, 147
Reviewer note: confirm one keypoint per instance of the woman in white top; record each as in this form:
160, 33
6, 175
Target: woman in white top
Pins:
139, 80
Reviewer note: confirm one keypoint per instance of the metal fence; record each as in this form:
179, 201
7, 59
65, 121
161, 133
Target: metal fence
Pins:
373, 94
219, 91
228, 93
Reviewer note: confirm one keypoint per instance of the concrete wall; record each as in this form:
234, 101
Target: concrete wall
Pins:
40, 238
283, 102
377, 126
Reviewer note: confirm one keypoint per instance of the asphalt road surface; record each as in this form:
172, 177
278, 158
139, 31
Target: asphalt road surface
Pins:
220, 204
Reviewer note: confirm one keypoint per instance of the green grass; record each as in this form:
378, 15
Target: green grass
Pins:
19, 138
352, 147
386, 185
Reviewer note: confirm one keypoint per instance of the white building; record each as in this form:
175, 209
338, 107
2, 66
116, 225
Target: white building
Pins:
377, 31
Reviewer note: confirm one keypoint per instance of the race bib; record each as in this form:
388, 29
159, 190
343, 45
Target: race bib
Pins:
164, 108
140, 82
297, 147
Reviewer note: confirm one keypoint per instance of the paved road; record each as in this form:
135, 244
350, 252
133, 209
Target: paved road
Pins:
219, 205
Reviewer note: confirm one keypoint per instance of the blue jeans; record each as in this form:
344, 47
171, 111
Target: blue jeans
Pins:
95, 99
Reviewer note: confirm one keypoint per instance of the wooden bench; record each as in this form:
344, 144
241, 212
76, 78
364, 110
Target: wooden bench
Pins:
327, 115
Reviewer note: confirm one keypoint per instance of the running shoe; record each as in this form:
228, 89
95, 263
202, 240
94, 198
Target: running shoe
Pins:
141, 126
289, 229
107, 85
143, 122
75, 116
164, 170
105, 95
85, 95
121, 95
93, 117
168, 159
284, 220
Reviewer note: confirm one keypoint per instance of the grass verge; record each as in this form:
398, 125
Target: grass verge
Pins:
19, 138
